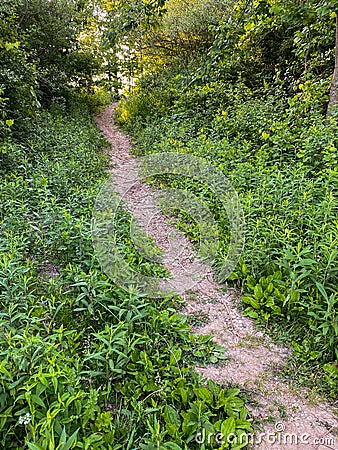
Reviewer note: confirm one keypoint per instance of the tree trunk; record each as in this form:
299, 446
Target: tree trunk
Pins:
22, 18
333, 101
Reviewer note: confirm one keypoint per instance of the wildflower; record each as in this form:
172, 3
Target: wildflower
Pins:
24, 419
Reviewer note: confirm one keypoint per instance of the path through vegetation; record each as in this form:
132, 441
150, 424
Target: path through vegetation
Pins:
289, 419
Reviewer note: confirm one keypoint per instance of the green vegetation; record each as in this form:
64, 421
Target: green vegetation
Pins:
245, 85
254, 105
83, 364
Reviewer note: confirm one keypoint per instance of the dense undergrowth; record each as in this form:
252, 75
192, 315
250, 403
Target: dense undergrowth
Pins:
84, 364
280, 153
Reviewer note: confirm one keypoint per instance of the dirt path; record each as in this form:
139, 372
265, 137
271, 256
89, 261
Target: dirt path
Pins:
289, 419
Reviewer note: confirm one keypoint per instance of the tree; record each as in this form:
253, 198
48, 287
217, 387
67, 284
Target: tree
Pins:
292, 38
52, 28
129, 22
305, 11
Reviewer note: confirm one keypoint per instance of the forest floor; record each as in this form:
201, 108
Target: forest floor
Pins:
288, 417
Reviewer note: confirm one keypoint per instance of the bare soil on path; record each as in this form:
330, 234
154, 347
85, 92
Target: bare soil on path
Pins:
289, 420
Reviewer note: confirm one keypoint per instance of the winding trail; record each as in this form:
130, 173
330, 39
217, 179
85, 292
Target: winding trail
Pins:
255, 362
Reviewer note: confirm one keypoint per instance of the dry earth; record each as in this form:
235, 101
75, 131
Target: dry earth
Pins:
291, 420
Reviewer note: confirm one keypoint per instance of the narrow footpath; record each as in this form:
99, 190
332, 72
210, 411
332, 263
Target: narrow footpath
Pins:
290, 420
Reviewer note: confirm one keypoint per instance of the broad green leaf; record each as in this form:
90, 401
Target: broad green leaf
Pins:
171, 416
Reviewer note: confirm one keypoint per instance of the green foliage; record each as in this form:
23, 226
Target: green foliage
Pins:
279, 152
265, 39
85, 365
128, 22
64, 39
48, 50
186, 26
